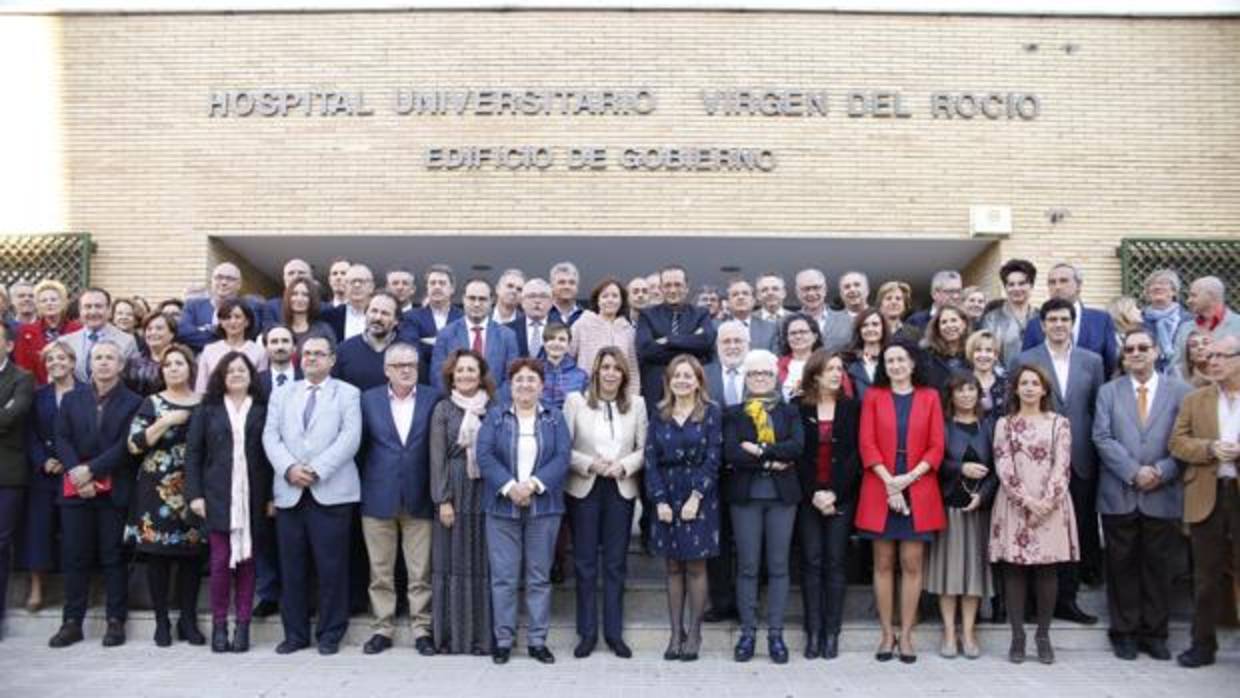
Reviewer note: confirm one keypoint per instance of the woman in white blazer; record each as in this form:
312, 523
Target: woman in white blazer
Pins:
608, 426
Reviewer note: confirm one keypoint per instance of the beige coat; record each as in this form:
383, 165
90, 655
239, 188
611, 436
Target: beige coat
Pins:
1196, 429
591, 433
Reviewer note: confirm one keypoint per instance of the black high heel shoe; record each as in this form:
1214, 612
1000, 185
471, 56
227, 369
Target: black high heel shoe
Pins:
885, 653
673, 651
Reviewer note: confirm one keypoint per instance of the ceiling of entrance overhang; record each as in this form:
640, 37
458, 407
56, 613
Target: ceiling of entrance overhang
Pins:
622, 256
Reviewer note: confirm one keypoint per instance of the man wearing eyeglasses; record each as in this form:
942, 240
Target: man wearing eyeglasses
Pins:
945, 288
349, 320
1207, 439
396, 503
196, 329
1140, 496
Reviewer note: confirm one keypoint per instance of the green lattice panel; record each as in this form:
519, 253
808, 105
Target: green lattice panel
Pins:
61, 256
1190, 258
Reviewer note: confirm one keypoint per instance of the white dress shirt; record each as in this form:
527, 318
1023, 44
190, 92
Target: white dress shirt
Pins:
402, 412
289, 376
440, 319
354, 322
733, 384
534, 332
527, 446
1228, 426
1061, 363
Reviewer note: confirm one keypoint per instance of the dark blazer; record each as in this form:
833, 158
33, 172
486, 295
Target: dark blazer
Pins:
919, 319
522, 332
500, 348
83, 436
417, 327
789, 443
396, 476
696, 337
1097, 335
855, 368
958, 441
209, 463
845, 460
41, 438
1085, 378
265, 381
16, 398
334, 316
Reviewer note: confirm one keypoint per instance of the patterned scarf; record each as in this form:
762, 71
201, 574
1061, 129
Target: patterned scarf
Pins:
475, 408
756, 408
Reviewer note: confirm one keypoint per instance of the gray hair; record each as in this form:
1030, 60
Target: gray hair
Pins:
1168, 275
1076, 272
536, 283
760, 359
105, 342
400, 346
1211, 285
864, 278
731, 327
940, 278
816, 272
512, 272
564, 268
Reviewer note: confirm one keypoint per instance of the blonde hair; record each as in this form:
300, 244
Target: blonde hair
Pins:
700, 398
1125, 313
52, 285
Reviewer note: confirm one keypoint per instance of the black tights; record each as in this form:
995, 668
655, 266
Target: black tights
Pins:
1016, 587
690, 576
159, 578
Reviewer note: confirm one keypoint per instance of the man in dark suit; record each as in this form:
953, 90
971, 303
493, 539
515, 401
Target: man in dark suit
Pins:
530, 323
360, 360
564, 283
349, 319
945, 288
396, 502
740, 306
281, 371
1140, 496
421, 326
477, 331
1077, 377
196, 328
16, 399
725, 382
670, 329
91, 433
1092, 329
294, 269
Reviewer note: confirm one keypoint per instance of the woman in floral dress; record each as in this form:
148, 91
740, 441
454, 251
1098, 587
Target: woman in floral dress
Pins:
1032, 525
161, 527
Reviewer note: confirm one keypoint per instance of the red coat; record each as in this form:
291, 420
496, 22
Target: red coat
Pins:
924, 442
30, 343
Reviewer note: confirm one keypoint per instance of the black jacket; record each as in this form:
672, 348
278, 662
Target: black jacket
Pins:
957, 445
16, 400
209, 463
102, 441
845, 456
737, 428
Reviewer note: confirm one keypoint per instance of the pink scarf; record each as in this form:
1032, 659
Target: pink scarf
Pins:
475, 409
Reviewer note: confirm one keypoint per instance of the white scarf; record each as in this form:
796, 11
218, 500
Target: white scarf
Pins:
475, 408
240, 542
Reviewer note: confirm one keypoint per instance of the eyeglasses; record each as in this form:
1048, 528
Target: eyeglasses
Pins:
1137, 348
1220, 355
405, 366
760, 374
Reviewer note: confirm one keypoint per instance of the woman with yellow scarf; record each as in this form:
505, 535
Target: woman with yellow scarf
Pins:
762, 441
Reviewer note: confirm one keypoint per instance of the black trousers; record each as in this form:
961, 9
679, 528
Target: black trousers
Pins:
90, 528
1214, 539
1140, 552
12, 504
824, 580
1084, 495
601, 522
311, 531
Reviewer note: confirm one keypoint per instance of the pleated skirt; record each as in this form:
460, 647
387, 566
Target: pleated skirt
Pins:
957, 563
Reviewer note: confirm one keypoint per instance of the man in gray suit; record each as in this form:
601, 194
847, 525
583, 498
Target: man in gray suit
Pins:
1140, 496
95, 305
834, 325
312, 433
1078, 375
740, 306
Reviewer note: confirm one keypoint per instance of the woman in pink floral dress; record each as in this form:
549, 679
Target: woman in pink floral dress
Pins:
1032, 526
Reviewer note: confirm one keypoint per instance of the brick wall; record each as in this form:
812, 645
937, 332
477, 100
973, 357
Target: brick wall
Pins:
1138, 131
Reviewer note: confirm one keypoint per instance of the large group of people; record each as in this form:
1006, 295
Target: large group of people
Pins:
452, 459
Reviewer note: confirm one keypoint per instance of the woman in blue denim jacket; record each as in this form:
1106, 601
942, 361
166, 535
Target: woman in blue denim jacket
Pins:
523, 454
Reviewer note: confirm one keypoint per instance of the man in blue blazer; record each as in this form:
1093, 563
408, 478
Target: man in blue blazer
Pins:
668, 330
92, 431
1140, 496
312, 434
1092, 329
473, 331
1077, 375
421, 326
396, 501
196, 328
532, 320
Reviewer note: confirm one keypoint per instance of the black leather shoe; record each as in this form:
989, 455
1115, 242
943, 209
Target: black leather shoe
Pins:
744, 649
70, 633
672, 653
163, 632
719, 615
1156, 647
776, 649
1072, 612
424, 646
219, 638
115, 634
830, 646
265, 609
241, 638
500, 655
542, 654
376, 644
885, 654
289, 647
1125, 648
620, 649
187, 630
584, 648
328, 648
813, 645
1195, 657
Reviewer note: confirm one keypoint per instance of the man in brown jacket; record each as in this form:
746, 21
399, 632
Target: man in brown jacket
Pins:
1207, 439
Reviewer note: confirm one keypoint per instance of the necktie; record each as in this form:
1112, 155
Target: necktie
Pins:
308, 413
91, 338
280, 379
535, 337
477, 345
1143, 403
675, 323
732, 395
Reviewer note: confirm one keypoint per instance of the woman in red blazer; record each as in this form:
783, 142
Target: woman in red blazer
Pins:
52, 300
900, 508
